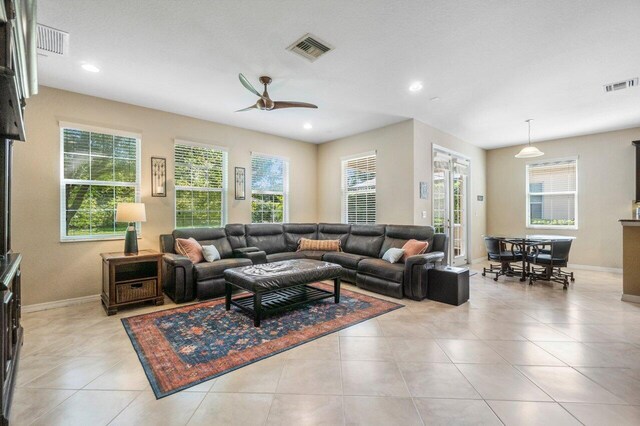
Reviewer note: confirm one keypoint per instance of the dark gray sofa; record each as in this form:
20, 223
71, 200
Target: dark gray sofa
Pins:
362, 245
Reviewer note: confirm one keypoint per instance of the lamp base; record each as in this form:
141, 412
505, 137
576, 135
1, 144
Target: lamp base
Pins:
131, 240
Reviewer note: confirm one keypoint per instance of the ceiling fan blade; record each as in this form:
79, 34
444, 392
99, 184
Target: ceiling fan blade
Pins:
247, 108
248, 85
288, 104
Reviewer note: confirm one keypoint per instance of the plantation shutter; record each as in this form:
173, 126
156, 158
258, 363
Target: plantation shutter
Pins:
552, 193
359, 189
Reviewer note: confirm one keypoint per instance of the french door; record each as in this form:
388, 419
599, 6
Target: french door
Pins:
450, 202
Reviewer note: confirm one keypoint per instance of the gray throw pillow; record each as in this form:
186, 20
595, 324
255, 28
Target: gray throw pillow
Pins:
392, 255
210, 253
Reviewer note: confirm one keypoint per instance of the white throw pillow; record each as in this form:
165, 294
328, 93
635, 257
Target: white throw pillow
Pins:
210, 253
392, 255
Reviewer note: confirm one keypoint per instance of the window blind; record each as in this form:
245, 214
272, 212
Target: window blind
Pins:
269, 189
359, 190
199, 175
552, 194
99, 170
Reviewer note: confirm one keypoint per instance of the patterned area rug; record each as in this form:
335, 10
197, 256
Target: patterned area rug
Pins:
183, 347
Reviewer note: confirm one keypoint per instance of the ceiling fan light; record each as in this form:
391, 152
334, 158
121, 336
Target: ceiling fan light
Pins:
529, 152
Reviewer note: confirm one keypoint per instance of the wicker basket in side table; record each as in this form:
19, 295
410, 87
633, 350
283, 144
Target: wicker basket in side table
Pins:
131, 279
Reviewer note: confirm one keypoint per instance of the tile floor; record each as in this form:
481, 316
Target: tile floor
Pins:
514, 354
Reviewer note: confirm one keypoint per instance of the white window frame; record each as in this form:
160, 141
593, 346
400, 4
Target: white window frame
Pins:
63, 181
225, 163
343, 161
528, 194
285, 213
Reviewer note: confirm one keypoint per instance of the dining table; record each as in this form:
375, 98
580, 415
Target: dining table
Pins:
525, 243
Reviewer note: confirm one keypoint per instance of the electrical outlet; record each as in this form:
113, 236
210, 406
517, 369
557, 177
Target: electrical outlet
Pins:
424, 214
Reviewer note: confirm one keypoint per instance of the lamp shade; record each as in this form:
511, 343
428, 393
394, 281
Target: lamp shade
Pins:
131, 212
529, 152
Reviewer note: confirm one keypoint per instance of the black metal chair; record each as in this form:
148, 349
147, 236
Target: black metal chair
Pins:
550, 261
497, 251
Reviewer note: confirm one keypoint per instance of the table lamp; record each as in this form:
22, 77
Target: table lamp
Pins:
131, 213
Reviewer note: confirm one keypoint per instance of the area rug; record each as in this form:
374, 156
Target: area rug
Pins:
185, 346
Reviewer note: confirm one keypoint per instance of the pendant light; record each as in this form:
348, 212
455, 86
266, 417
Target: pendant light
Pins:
529, 151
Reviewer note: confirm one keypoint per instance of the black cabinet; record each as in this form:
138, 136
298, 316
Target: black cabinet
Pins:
10, 329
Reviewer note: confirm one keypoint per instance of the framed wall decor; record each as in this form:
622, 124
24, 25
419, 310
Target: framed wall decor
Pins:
424, 190
158, 177
240, 181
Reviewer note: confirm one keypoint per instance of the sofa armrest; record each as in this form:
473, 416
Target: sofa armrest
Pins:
415, 273
240, 252
177, 271
252, 253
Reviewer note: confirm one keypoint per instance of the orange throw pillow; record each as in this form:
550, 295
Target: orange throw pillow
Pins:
414, 247
190, 248
306, 244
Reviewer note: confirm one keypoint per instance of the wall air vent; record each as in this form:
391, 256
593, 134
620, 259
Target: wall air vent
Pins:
52, 42
310, 47
632, 82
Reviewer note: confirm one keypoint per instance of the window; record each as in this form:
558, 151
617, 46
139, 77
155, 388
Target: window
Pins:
100, 168
359, 189
200, 179
552, 196
269, 189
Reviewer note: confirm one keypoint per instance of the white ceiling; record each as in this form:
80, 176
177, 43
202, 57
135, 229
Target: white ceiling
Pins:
492, 63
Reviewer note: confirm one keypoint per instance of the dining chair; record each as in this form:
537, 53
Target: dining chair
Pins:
550, 261
497, 251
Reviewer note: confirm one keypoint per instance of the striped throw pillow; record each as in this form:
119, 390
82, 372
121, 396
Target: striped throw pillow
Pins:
306, 244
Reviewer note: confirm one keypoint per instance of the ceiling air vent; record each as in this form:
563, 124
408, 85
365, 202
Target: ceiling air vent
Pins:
52, 42
633, 82
310, 47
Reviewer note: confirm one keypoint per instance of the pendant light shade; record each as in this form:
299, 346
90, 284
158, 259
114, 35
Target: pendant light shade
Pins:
529, 151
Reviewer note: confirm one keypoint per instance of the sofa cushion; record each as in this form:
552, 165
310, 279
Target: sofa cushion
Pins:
365, 240
293, 232
334, 231
319, 245
235, 235
413, 247
191, 248
209, 270
268, 237
348, 260
397, 235
285, 255
382, 269
207, 237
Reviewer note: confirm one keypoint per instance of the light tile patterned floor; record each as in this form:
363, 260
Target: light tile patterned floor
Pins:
515, 354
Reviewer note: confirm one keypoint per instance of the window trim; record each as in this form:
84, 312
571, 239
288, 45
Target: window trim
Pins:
225, 169
62, 125
285, 160
344, 192
528, 194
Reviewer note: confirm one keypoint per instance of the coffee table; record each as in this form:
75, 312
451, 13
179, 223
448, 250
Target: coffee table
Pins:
278, 286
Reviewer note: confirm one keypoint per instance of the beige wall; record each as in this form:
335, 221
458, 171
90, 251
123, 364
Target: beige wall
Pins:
427, 136
394, 172
55, 271
403, 160
606, 188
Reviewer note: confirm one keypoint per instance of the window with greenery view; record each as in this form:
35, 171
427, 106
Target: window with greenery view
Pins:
100, 170
552, 197
200, 179
359, 189
269, 189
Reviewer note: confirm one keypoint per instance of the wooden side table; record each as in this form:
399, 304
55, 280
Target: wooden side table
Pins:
128, 279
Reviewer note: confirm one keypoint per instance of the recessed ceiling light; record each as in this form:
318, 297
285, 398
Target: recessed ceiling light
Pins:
90, 68
308, 126
416, 86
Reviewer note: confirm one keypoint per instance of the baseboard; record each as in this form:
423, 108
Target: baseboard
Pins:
60, 303
630, 298
595, 268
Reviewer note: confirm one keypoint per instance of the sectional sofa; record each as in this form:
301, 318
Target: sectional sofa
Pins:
361, 256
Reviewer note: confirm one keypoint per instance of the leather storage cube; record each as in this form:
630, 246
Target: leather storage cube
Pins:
448, 284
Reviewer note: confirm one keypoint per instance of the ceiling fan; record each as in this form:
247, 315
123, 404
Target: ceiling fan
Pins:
265, 103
